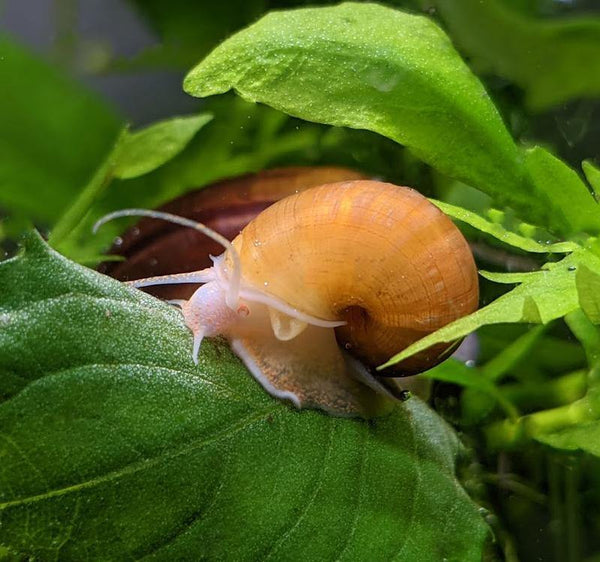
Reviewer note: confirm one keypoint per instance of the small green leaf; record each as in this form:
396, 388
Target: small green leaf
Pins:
586, 332
495, 229
580, 437
592, 174
145, 150
505, 361
574, 209
457, 372
588, 289
115, 445
553, 60
509, 278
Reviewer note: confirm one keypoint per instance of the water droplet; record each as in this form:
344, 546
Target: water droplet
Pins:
572, 268
347, 345
266, 283
257, 243
118, 242
470, 363
135, 231
153, 262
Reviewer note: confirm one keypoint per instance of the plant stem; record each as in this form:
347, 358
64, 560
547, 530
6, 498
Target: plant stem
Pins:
556, 506
556, 392
509, 433
572, 512
90, 193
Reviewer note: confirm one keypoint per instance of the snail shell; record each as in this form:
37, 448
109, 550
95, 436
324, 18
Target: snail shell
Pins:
380, 257
372, 264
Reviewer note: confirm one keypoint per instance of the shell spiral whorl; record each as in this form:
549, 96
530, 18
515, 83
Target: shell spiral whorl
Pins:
381, 257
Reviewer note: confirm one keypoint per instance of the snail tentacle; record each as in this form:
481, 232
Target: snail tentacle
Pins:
232, 296
192, 277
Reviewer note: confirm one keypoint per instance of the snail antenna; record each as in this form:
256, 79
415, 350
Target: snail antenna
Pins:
233, 291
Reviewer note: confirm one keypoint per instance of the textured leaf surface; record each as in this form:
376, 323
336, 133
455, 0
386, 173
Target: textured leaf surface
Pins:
552, 60
404, 81
114, 445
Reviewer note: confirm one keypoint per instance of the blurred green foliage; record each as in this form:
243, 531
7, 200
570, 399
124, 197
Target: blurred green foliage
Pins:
526, 406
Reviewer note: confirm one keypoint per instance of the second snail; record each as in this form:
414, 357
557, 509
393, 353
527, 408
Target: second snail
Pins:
327, 283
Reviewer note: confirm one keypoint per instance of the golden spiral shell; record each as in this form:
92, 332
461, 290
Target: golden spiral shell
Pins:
381, 257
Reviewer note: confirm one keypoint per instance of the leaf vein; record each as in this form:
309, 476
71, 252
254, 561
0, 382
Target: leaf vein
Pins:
142, 465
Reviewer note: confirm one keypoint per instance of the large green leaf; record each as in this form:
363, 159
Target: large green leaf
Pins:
552, 60
371, 67
114, 445
53, 133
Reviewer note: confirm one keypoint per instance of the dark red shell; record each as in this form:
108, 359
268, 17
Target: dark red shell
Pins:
154, 247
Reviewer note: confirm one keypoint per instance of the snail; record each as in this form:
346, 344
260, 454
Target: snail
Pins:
366, 264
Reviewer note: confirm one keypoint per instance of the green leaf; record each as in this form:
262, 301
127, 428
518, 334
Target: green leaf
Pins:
574, 209
588, 289
145, 150
541, 297
570, 427
114, 445
587, 333
553, 61
580, 437
53, 133
405, 82
496, 230
503, 363
456, 372
592, 174
474, 405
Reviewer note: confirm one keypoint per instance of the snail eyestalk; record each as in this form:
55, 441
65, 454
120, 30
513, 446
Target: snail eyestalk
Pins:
233, 290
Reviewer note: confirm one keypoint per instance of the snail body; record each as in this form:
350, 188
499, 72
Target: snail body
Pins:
369, 265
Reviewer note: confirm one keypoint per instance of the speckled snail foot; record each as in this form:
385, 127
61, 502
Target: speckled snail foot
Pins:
367, 264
